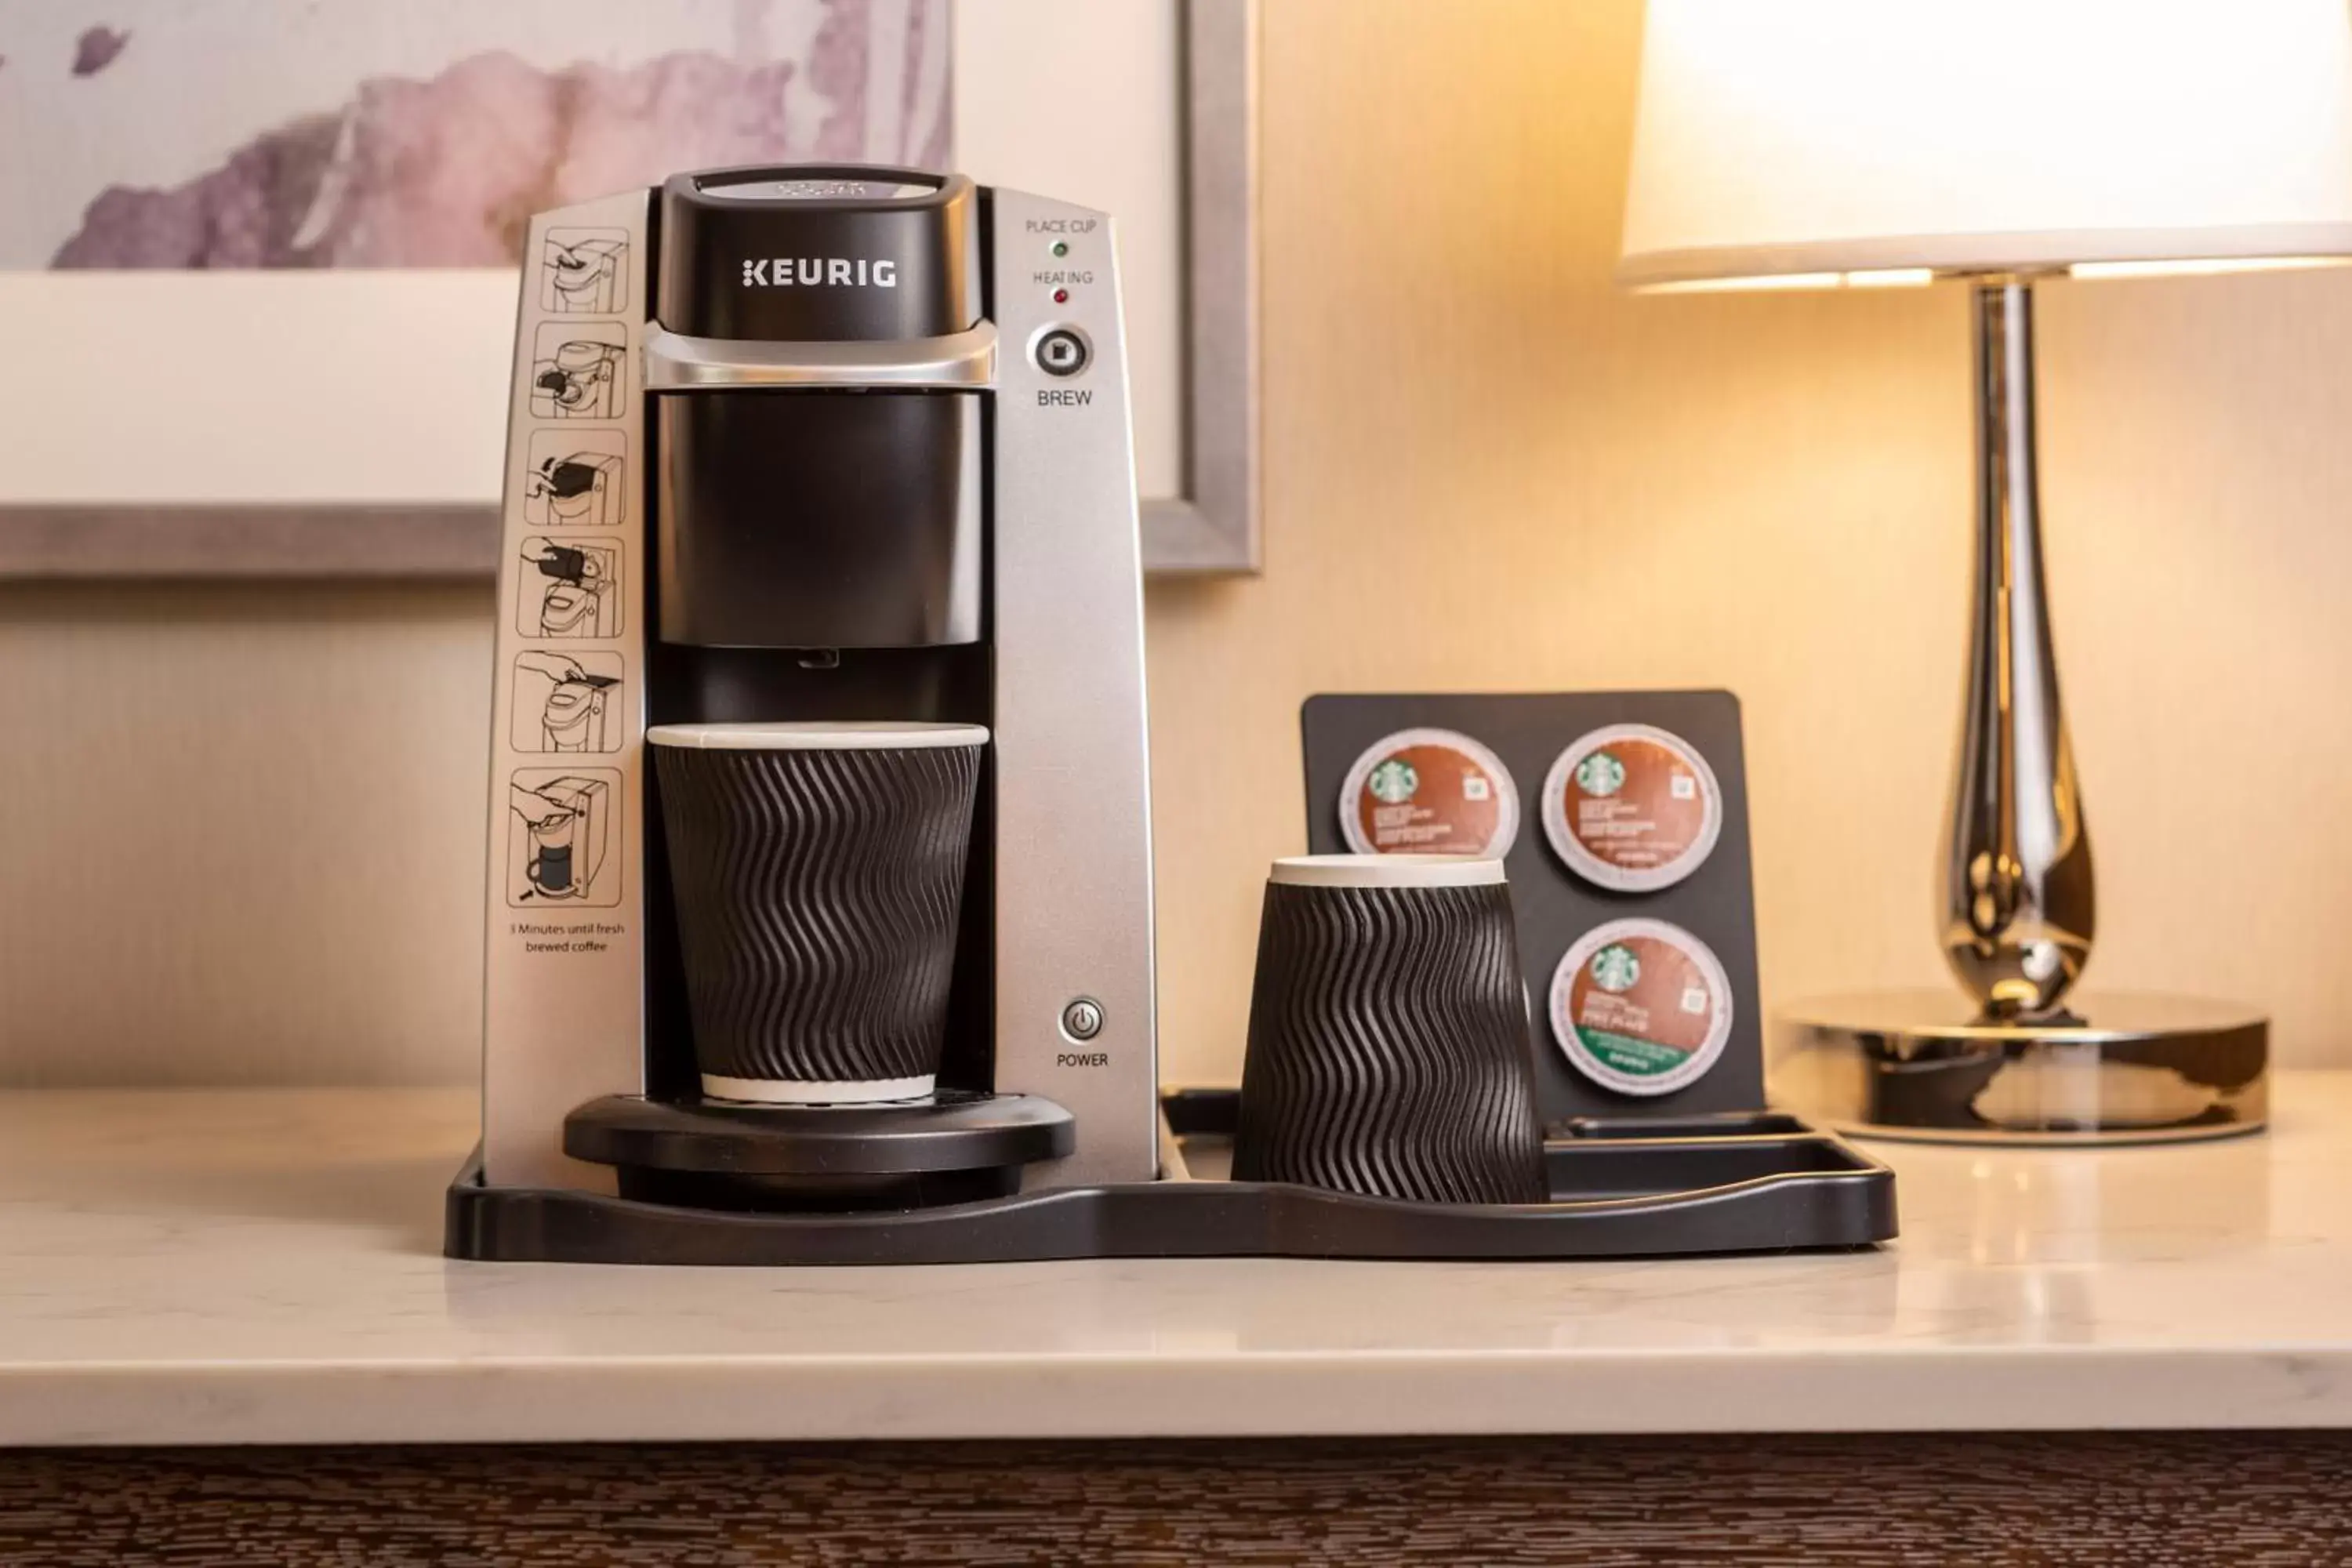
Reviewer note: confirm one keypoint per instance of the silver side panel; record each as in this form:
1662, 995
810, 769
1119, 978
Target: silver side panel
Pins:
564, 962
1074, 832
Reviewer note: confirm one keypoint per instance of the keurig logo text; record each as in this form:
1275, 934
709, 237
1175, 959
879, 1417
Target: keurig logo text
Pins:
819, 271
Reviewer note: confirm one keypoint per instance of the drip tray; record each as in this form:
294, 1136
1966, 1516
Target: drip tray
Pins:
1622, 1188
954, 1146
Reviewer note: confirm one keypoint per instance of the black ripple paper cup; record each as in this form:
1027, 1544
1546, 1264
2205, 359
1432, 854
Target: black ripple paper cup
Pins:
817, 870
1388, 1050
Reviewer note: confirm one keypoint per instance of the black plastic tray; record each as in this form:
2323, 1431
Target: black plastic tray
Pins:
1718, 1184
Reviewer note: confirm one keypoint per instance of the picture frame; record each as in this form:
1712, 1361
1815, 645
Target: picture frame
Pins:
1210, 524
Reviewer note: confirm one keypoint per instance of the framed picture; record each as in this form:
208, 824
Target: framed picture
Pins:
258, 277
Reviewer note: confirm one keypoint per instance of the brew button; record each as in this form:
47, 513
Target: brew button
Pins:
1062, 353
1081, 1019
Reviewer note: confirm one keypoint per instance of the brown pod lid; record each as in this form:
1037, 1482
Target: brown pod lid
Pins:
1428, 791
1632, 808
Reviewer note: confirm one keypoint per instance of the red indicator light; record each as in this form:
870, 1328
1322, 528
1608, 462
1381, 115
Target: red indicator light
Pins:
1061, 296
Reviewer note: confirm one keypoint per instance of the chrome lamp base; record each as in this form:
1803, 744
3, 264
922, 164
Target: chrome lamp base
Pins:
2018, 1057
2121, 1068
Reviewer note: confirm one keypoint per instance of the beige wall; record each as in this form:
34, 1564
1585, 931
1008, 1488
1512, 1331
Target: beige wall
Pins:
1488, 469
240, 833
241, 829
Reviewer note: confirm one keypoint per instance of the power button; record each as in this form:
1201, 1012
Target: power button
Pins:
1062, 352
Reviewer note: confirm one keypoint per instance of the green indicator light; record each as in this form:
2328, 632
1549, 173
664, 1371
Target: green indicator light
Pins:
1061, 248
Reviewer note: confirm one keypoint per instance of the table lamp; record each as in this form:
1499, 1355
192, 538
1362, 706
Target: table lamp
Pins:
1871, 143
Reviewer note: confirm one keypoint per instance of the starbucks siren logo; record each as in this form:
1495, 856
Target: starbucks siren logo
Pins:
1394, 780
1600, 774
1615, 968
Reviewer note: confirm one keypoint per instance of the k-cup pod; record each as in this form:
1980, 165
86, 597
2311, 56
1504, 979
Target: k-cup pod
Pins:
1428, 791
1388, 1037
818, 874
1632, 808
1640, 1006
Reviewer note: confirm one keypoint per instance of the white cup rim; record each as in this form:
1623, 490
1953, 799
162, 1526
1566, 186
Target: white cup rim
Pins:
818, 735
1387, 871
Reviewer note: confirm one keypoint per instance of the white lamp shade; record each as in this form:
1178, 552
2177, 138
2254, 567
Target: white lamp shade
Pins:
1781, 137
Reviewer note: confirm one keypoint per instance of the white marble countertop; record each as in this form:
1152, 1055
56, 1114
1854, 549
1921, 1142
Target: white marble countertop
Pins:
219, 1267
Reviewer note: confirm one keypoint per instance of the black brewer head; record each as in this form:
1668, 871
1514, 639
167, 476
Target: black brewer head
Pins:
818, 253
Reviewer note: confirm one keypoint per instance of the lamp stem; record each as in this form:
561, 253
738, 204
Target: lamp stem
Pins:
2020, 910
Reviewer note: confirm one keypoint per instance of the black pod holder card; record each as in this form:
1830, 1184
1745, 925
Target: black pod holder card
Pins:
1557, 907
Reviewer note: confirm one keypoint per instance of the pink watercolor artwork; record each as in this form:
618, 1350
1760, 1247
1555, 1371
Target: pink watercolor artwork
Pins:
265, 134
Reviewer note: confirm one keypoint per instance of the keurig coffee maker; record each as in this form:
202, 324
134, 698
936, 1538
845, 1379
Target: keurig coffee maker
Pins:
878, 423
830, 940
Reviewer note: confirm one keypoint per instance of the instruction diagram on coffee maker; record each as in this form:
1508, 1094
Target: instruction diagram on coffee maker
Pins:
562, 837
566, 701
585, 271
569, 588
576, 478
577, 369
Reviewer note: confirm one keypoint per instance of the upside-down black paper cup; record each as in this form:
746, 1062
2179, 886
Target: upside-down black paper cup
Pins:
1388, 1050
818, 873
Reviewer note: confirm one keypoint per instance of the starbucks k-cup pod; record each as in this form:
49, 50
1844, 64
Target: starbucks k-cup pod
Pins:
1428, 791
1640, 1006
1632, 808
